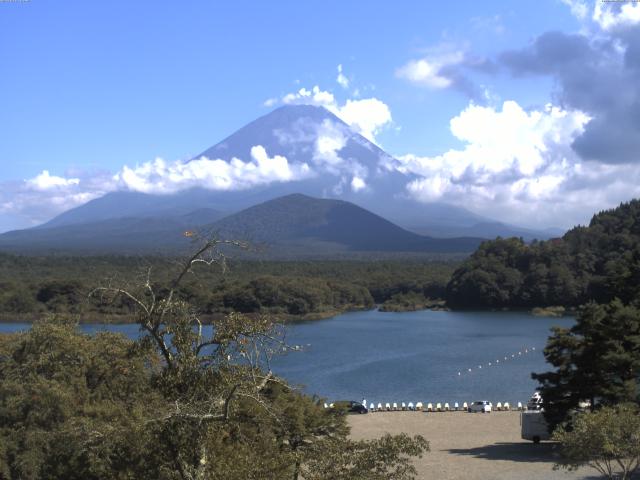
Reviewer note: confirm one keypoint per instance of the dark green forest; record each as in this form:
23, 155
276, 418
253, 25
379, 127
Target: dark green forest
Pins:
32, 286
598, 263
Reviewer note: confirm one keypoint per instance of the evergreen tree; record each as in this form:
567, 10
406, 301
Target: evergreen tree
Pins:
597, 360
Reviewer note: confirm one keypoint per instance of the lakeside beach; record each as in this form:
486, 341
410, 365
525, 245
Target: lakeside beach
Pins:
469, 446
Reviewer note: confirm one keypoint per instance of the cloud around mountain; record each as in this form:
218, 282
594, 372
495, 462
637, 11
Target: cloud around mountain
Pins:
162, 177
367, 116
537, 164
301, 149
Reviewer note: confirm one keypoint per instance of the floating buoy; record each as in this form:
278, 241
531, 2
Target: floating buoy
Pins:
459, 373
469, 369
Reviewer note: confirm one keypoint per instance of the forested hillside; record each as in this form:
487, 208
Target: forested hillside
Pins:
598, 262
33, 286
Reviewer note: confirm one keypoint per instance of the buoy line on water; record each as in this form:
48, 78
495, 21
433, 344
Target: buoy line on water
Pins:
499, 361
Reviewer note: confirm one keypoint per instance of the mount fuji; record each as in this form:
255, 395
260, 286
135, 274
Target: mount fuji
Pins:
299, 152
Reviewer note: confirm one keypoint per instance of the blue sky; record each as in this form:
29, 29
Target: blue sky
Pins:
89, 87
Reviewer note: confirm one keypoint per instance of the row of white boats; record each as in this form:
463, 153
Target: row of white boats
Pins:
439, 407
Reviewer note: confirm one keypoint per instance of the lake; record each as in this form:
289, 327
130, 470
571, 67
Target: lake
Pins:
410, 356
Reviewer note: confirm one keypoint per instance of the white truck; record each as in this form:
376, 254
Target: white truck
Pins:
533, 426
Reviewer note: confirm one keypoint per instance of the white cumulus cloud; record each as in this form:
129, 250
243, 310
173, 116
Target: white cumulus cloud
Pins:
164, 177
46, 181
428, 71
515, 165
607, 15
315, 96
330, 138
358, 184
342, 80
579, 8
366, 116
37, 199
611, 15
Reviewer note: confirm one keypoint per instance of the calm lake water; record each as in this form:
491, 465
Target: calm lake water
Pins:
413, 356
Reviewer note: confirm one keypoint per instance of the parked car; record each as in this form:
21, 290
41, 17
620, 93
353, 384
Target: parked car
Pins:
482, 406
349, 406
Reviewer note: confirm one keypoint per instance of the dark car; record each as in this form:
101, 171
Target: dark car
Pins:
349, 406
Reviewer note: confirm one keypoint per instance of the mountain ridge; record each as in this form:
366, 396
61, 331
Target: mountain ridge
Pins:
295, 225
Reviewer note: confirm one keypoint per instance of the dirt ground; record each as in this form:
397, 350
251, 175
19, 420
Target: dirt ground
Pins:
470, 446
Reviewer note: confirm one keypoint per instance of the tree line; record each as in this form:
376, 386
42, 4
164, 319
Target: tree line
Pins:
34, 286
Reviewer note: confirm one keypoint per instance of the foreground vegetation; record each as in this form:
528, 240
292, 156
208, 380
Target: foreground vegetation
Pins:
176, 404
607, 440
31, 287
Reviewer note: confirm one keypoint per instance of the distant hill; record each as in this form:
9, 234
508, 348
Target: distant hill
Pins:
302, 222
290, 226
487, 230
293, 131
122, 235
599, 262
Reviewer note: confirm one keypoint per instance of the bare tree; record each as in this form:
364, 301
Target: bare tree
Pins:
206, 367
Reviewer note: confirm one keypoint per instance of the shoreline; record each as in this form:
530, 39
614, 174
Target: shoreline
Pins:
208, 319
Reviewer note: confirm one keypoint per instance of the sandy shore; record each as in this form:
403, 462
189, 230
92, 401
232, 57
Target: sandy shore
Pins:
469, 446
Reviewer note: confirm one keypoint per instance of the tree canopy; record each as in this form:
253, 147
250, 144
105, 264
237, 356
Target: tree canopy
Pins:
597, 360
599, 262
607, 440
31, 287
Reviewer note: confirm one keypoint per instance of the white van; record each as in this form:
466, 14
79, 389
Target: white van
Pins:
533, 426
